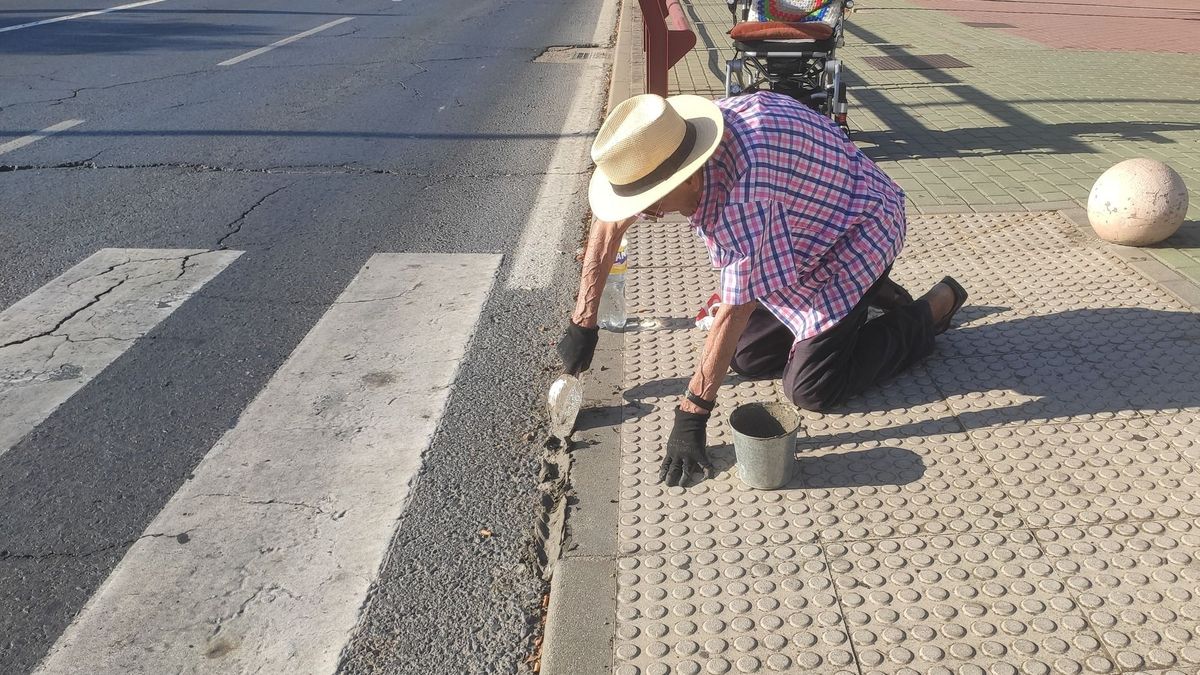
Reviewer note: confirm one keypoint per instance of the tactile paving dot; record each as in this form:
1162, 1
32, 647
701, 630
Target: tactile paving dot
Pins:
1139, 586
918, 272
1083, 474
927, 484
735, 611
957, 604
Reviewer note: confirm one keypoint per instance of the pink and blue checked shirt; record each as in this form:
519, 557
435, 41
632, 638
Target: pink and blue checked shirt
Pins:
794, 214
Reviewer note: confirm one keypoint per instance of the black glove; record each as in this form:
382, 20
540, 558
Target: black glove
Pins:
577, 347
685, 449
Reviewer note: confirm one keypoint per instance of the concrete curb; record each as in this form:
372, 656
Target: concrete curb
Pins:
581, 616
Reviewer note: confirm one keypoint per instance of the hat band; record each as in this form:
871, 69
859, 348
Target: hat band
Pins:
663, 171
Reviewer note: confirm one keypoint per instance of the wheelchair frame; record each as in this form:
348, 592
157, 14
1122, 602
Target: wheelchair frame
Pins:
810, 76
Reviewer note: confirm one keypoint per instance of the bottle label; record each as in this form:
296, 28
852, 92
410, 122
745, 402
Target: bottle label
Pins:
621, 264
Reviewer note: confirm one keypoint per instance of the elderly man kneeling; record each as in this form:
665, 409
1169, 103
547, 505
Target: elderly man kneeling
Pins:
804, 228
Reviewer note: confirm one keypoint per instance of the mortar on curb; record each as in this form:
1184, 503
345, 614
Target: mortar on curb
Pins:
764, 442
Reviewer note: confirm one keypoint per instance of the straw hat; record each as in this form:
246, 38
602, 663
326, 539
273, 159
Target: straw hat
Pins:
647, 147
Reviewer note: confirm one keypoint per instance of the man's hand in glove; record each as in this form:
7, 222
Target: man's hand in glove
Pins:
577, 347
685, 449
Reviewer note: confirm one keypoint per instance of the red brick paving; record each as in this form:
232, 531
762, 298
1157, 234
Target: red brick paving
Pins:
1158, 26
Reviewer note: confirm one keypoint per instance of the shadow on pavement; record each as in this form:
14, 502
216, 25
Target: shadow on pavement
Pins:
903, 143
1071, 365
126, 36
1015, 132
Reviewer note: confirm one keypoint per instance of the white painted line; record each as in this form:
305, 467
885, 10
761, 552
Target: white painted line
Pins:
57, 339
541, 244
606, 23
262, 561
33, 138
80, 15
287, 40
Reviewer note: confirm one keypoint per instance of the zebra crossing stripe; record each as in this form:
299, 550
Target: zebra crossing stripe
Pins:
55, 340
262, 561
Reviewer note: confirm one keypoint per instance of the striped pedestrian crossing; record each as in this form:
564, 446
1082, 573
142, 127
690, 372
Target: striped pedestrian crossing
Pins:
56, 340
262, 560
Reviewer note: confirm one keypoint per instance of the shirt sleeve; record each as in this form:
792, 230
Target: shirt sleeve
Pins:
756, 257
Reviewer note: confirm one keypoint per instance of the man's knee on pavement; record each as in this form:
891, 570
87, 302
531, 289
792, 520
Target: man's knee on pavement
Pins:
814, 401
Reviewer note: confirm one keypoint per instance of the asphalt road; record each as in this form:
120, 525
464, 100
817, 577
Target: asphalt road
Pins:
413, 127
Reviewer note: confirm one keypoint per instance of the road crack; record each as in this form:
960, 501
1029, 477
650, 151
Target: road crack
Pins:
236, 226
47, 333
333, 515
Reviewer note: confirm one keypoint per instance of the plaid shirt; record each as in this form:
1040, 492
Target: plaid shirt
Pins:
794, 214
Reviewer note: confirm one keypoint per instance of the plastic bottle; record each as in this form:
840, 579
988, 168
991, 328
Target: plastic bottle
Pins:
564, 402
612, 299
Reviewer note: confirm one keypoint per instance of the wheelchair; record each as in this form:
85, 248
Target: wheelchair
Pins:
795, 59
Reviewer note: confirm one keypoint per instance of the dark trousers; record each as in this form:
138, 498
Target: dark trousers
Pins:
823, 371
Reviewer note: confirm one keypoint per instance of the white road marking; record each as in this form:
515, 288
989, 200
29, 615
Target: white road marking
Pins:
541, 241
33, 138
57, 339
606, 23
262, 561
287, 40
80, 15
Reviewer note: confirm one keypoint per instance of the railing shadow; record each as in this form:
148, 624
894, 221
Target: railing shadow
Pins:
116, 35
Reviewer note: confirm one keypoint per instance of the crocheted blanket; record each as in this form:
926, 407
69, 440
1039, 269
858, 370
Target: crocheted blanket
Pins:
795, 11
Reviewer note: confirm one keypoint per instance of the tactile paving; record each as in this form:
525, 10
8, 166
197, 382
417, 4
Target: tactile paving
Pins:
668, 243
1138, 585
675, 292
735, 611
938, 604
1027, 500
1085, 474
1152, 377
909, 405
1039, 387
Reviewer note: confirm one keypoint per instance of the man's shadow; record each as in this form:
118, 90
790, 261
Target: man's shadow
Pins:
1070, 365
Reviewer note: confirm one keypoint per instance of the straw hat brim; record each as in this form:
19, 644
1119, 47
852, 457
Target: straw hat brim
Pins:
705, 117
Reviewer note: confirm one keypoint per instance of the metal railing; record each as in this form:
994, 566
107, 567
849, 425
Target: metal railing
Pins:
667, 38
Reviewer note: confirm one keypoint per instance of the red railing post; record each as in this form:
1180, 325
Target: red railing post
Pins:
667, 38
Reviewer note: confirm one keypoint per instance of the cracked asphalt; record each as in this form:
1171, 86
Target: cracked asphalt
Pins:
412, 128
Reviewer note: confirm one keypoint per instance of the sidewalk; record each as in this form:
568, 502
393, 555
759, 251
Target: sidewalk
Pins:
1025, 501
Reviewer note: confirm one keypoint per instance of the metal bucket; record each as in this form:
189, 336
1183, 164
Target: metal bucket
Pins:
764, 441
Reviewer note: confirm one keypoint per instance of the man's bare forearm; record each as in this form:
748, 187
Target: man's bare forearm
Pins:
722, 340
604, 239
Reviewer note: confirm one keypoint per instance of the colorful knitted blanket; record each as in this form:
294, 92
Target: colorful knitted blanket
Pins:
794, 11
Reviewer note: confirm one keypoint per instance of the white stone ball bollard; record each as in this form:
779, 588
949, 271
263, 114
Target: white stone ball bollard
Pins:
1137, 202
